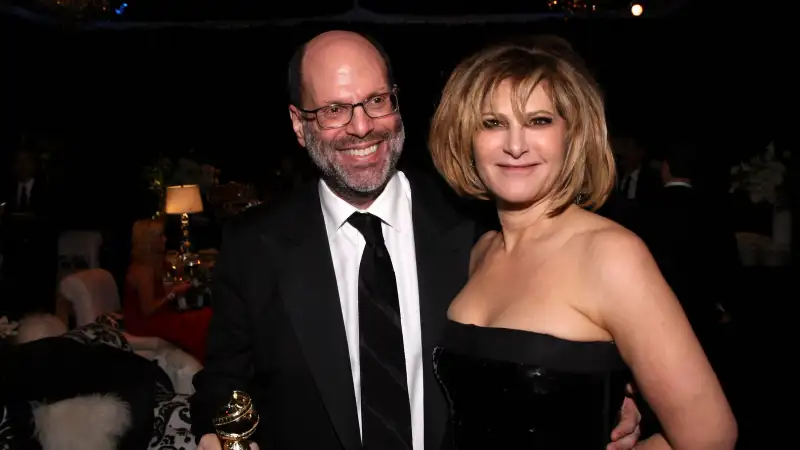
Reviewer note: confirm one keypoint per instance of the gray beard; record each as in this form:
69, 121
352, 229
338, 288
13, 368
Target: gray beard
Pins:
338, 178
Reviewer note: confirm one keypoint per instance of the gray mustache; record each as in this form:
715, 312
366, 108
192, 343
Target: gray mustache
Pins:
373, 136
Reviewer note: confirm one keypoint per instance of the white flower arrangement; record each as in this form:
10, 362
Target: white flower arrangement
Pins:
761, 176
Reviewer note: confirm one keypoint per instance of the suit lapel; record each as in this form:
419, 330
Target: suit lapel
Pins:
443, 240
311, 297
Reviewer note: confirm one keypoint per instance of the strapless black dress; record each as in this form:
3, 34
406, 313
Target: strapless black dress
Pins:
512, 389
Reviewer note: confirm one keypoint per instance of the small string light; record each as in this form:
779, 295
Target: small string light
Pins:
570, 5
83, 7
118, 7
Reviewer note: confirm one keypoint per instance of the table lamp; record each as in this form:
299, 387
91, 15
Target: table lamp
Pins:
184, 200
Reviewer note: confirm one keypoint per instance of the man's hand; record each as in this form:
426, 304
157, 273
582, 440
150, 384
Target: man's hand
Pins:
211, 442
626, 434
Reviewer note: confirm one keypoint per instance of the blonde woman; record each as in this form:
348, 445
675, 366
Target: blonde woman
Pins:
147, 301
562, 304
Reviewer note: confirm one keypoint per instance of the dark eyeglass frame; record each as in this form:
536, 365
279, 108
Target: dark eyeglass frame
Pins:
353, 106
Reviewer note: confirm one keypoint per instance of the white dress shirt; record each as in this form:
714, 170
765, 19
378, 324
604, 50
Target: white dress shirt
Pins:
629, 182
26, 186
347, 244
677, 183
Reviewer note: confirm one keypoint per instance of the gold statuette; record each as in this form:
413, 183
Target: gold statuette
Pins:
236, 422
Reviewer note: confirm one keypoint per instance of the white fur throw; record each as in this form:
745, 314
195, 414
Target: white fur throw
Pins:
93, 422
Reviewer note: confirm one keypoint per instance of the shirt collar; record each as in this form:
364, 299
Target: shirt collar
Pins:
678, 183
387, 206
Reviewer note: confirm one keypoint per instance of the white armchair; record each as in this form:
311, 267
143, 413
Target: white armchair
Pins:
78, 250
93, 293
179, 365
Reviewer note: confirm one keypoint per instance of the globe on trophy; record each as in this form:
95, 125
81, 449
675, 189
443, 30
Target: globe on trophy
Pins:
236, 422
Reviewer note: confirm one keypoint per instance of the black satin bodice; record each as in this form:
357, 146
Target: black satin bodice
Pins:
513, 389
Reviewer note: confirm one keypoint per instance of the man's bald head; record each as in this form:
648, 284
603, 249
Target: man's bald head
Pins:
330, 75
328, 49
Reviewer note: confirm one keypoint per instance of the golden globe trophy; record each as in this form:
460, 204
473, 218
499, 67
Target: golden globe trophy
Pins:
236, 422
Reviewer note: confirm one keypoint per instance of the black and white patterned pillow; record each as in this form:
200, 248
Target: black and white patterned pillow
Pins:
6, 433
100, 333
107, 330
172, 426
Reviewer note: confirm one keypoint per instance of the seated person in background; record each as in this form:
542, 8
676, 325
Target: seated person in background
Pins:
147, 301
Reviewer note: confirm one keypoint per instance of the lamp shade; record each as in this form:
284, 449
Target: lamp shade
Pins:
184, 199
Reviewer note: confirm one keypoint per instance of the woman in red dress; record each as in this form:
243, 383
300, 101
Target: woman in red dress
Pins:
147, 302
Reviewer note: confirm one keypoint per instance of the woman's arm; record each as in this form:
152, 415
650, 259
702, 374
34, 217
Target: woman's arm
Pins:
655, 339
654, 442
143, 280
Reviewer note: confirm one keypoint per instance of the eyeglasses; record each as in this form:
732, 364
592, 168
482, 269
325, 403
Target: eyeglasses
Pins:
339, 115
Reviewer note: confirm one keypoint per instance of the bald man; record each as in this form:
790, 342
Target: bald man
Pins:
327, 307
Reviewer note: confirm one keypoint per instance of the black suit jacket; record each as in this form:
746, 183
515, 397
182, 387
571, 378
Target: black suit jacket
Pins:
29, 236
629, 212
278, 333
39, 204
38, 201
649, 184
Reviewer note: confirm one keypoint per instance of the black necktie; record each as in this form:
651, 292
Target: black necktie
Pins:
385, 410
23, 198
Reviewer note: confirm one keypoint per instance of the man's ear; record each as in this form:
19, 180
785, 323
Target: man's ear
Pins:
297, 125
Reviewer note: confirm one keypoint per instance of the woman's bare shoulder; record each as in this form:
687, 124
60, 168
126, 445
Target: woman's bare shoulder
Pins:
611, 247
485, 240
602, 239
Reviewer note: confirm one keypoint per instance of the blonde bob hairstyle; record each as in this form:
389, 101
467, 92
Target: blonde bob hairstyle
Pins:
588, 173
144, 237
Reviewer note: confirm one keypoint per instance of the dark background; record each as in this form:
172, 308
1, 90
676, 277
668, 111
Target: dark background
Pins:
184, 79
119, 95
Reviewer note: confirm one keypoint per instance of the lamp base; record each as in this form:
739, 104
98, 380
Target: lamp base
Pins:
186, 243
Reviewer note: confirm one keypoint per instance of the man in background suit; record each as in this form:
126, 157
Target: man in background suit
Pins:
637, 184
327, 306
637, 180
693, 246
696, 252
29, 242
